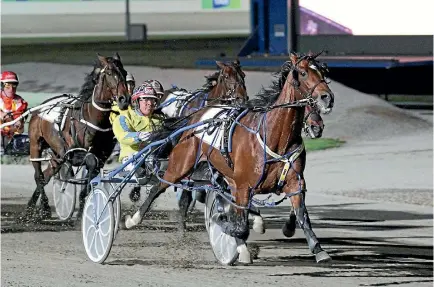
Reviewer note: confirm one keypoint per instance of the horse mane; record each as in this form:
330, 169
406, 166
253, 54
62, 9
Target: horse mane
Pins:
268, 96
210, 79
90, 80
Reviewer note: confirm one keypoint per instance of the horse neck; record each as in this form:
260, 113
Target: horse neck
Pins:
95, 115
284, 125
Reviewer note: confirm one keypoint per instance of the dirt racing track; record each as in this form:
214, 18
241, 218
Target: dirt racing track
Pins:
370, 203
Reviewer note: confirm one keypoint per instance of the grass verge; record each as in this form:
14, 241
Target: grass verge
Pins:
322, 144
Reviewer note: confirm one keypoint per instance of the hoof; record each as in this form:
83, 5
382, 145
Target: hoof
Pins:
288, 228
130, 222
200, 196
245, 259
254, 250
322, 257
135, 195
245, 256
45, 214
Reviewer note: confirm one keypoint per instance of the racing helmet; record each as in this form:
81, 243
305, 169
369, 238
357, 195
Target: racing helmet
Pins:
8, 77
157, 86
143, 92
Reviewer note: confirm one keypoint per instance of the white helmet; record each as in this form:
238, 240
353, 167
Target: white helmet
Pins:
130, 77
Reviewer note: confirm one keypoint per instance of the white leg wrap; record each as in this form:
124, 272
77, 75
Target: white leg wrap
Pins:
245, 256
258, 224
130, 222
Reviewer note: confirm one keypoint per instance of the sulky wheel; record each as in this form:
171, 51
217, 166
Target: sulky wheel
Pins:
64, 192
110, 188
223, 245
98, 225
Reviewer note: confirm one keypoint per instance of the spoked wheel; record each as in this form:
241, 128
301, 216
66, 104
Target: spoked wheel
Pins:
64, 193
223, 246
98, 225
110, 188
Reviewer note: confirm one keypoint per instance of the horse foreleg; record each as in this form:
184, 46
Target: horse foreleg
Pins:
241, 230
298, 202
92, 172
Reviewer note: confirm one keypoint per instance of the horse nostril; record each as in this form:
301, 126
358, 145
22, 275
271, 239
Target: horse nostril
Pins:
325, 97
328, 99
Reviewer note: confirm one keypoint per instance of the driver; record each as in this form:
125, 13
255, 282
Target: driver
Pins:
134, 126
12, 106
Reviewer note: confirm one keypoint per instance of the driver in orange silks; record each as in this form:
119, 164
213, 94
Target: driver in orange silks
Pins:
11, 107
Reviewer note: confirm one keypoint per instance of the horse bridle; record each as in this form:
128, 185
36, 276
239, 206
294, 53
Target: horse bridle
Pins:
102, 75
229, 96
95, 103
296, 84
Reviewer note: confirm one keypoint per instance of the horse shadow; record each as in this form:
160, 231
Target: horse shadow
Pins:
359, 256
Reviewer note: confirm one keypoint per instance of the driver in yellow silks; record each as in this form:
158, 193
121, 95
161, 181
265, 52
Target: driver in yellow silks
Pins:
134, 126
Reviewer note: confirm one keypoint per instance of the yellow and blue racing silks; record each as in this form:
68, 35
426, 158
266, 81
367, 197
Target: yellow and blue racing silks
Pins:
127, 126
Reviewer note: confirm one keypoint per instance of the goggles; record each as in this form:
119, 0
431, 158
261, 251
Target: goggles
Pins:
8, 85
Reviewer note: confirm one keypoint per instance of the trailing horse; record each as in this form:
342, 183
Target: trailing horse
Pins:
77, 129
266, 148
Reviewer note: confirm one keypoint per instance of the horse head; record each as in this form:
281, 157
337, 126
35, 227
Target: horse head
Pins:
231, 80
308, 78
110, 78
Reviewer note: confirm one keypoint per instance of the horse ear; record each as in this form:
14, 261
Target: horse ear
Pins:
102, 60
117, 57
221, 65
293, 57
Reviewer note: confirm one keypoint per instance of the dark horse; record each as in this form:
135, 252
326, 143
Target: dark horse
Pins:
86, 131
268, 152
178, 102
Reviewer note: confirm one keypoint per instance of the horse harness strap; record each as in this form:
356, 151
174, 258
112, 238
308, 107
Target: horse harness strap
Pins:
288, 161
225, 138
95, 127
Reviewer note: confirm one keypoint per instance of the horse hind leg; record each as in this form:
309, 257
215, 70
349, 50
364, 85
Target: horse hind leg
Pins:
47, 174
185, 199
181, 161
289, 226
36, 152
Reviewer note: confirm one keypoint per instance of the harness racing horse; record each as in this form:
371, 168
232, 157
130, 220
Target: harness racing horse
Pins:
220, 88
84, 134
225, 86
179, 102
268, 152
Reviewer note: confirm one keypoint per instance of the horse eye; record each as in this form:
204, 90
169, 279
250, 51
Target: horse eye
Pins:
303, 74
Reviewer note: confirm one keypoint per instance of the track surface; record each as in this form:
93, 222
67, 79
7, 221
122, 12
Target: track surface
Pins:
370, 204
